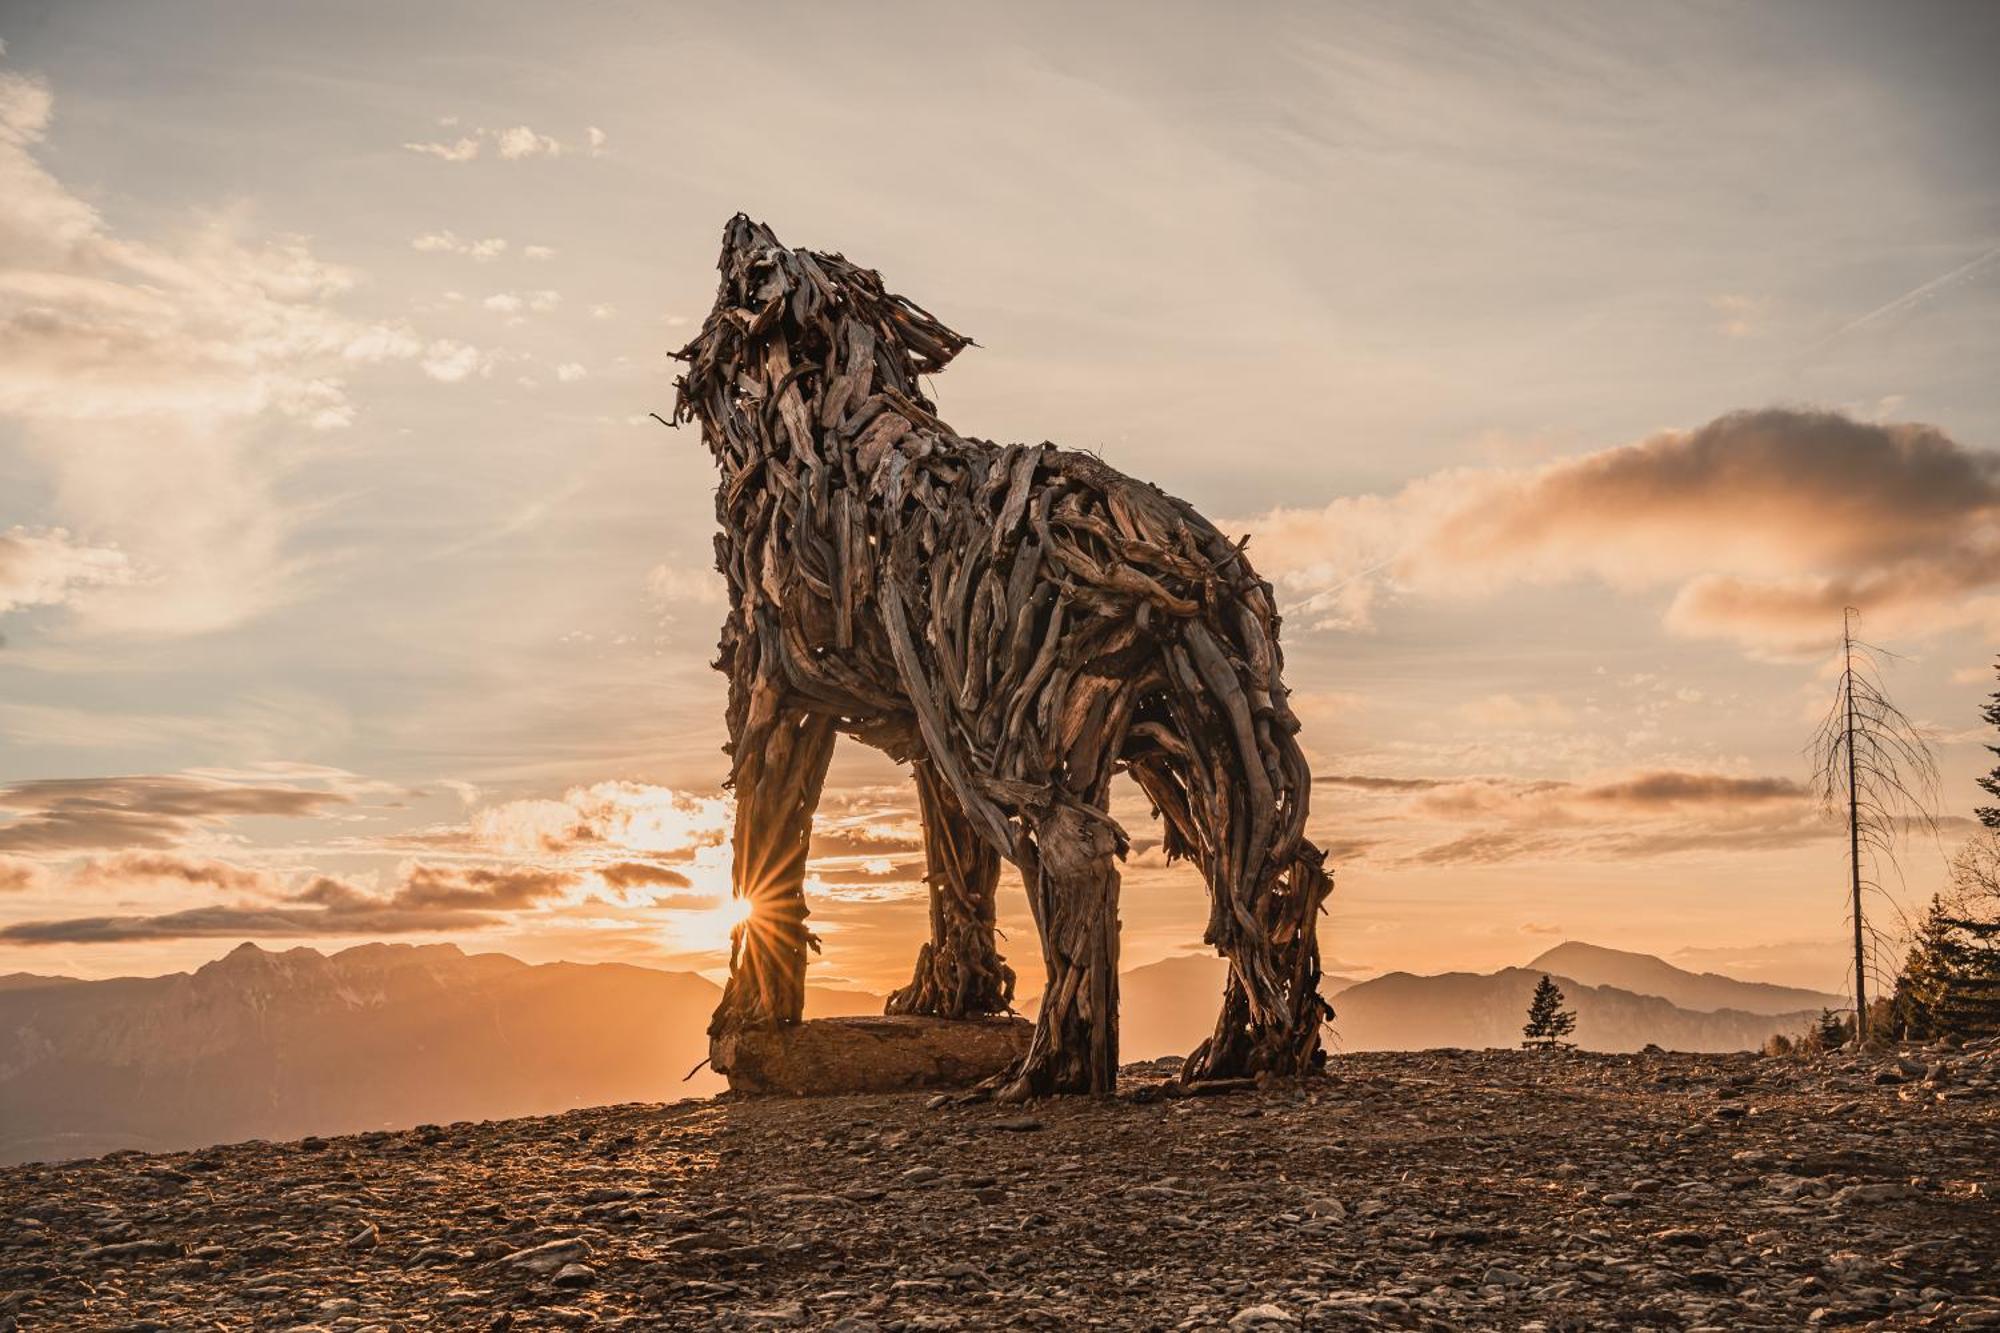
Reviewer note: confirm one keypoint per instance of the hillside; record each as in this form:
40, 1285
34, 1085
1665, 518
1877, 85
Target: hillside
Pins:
1643, 974
261, 1044
1439, 1191
1168, 1007
1469, 1009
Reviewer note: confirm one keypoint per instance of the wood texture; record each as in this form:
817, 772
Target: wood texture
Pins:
898, 1053
1019, 622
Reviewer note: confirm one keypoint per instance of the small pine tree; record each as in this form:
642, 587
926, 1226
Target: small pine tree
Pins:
1832, 1033
1548, 1022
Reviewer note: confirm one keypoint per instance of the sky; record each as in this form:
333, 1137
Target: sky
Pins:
1570, 367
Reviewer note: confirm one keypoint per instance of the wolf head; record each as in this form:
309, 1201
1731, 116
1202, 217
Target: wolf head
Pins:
792, 317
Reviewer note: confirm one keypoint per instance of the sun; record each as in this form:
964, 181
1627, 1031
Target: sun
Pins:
708, 930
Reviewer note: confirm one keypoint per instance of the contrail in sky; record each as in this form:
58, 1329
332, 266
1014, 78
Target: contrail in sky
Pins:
1319, 599
1911, 298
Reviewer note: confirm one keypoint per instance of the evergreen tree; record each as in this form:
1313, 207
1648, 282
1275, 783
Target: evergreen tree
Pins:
1831, 1033
1950, 986
1926, 977
1964, 944
1548, 1022
1990, 815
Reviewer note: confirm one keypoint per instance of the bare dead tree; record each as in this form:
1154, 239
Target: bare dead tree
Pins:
1872, 766
1019, 623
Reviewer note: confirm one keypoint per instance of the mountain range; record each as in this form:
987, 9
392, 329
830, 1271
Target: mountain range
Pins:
262, 1044
1622, 1002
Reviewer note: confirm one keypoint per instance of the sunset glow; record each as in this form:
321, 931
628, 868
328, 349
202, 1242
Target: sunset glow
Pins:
1566, 379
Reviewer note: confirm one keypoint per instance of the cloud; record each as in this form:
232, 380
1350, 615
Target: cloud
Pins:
449, 361
669, 584
538, 252
150, 812
1763, 523
46, 568
512, 144
1649, 813
872, 835
1672, 790
596, 139
632, 818
137, 371
478, 888
126, 868
1368, 782
1342, 851
539, 302
569, 372
427, 898
19, 876
641, 874
520, 141
463, 149
617, 846
451, 243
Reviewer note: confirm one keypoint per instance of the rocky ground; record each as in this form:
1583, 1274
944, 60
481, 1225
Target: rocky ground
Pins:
1440, 1190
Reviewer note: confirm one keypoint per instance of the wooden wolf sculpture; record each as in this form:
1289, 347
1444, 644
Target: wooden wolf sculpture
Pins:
1018, 623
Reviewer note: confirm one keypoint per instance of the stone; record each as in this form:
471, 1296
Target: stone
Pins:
1263, 1316
890, 1053
548, 1257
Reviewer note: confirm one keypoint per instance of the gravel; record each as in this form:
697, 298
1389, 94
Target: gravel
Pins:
1434, 1190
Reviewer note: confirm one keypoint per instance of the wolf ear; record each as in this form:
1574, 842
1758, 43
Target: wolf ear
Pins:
931, 343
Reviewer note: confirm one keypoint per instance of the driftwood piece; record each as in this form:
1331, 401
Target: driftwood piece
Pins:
1020, 623
890, 1054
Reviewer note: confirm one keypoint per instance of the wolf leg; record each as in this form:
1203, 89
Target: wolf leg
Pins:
959, 972
1073, 889
781, 765
1271, 1007
1272, 1012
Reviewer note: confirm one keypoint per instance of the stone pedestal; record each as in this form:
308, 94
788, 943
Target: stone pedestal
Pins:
896, 1053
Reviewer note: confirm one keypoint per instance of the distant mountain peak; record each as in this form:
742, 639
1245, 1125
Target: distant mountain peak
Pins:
248, 958
1584, 949
1646, 974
